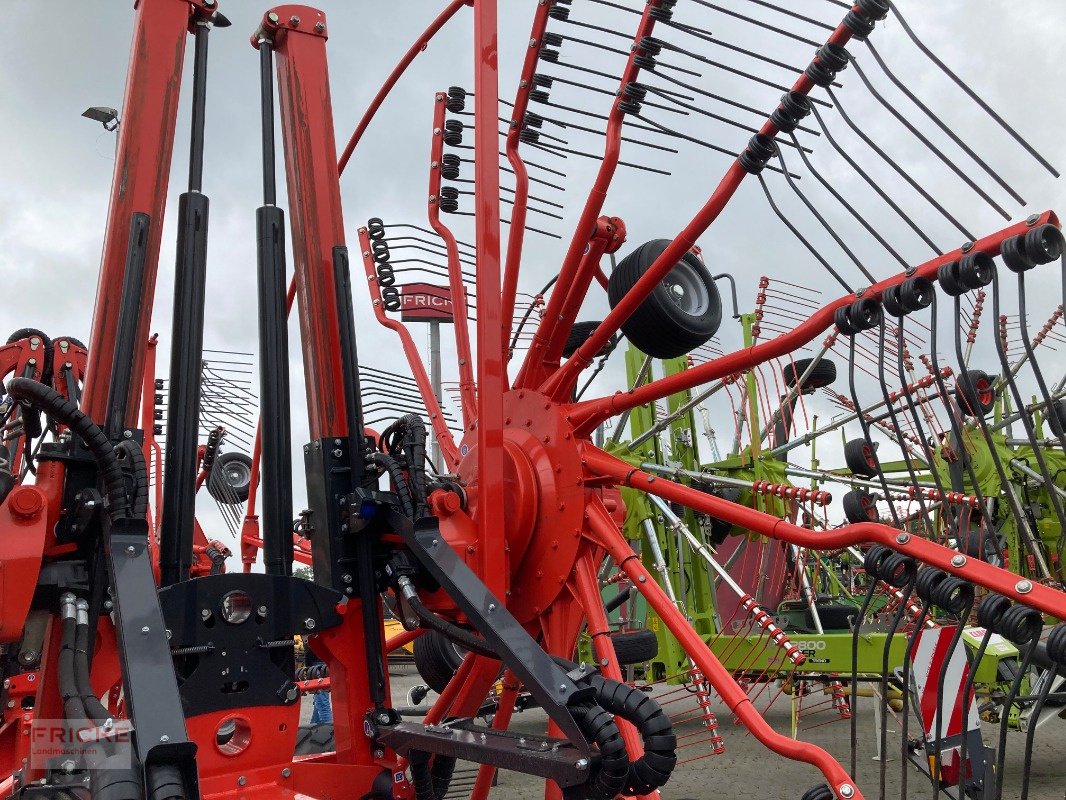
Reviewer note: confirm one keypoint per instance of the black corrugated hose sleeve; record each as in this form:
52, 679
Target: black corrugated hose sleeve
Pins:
56, 406
414, 447
135, 454
399, 480
431, 781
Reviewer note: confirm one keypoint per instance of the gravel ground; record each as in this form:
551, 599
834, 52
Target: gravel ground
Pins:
747, 771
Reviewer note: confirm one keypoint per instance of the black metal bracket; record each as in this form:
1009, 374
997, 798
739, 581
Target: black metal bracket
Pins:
548, 682
149, 684
231, 636
525, 753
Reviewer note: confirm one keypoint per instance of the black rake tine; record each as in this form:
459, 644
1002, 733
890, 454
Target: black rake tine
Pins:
943, 126
971, 93
925, 141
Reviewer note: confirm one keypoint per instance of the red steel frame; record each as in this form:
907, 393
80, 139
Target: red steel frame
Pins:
142, 175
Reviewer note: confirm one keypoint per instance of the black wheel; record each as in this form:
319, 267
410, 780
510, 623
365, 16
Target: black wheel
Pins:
833, 616
26, 333
635, 647
823, 374
436, 659
579, 334
46, 344
231, 478
681, 313
861, 458
975, 391
859, 506
313, 739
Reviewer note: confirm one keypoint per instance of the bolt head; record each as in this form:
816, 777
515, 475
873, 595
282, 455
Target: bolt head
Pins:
242, 780
294, 21
958, 561
131, 551
383, 719
164, 738
309, 624
847, 790
145, 630
903, 538
1032, 220
272, 17
1023, 587
582, 763
286, 772
320, 26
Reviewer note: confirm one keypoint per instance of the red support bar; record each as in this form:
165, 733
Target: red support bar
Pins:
587, 415
315, 205
420, 45
605, 533
532, 372
1048, 600
556, 385
491, 518
521, 175
142, 175
467, 388
418, 368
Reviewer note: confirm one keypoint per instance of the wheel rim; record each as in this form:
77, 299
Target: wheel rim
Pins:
686, 290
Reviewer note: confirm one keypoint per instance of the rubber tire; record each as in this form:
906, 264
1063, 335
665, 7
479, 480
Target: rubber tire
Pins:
436, 659
216, 483
579, 334
824, 374
658, 327
858, 505
26, 333
969, 389
861, 458
314, 739
834, 616
635, 647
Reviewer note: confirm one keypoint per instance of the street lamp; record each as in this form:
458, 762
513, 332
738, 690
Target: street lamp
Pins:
108, 117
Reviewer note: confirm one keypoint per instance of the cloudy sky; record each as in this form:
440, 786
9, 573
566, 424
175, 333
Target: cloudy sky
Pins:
69, 55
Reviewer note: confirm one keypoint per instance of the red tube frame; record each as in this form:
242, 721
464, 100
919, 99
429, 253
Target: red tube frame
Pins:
560, 383
467, 387
420, 44
140, 183
587, 415
315, 212
1048, 600
418, 369
491, 519
535, 367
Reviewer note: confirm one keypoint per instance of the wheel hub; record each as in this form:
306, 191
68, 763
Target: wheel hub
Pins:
543, 483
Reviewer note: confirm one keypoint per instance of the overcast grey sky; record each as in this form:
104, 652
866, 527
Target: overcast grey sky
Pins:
63, 56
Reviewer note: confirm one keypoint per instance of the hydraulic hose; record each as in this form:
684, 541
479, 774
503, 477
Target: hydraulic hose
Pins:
461, 637
94, 709
73, 707
66, 411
